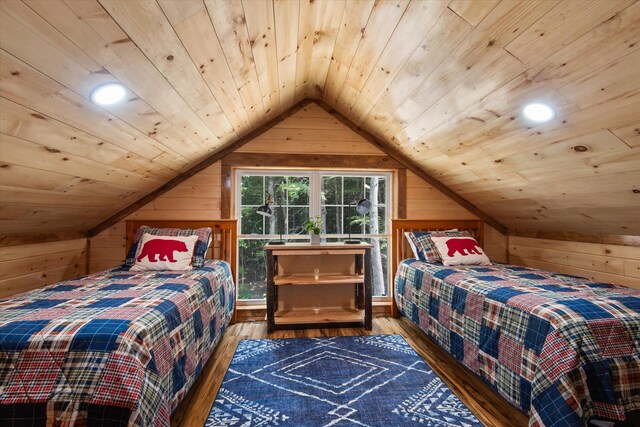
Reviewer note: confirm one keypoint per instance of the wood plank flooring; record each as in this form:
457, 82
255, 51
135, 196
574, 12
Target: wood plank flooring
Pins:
488, 406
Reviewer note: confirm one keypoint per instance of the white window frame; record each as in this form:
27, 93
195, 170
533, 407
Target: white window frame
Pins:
315, 187
238, 211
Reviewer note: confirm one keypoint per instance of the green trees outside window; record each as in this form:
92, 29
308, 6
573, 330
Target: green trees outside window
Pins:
294, 201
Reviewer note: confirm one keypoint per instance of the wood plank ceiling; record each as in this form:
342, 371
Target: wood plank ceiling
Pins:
442, 81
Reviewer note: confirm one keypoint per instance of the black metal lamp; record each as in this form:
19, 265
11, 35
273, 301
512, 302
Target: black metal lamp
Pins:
362, 207
266, 211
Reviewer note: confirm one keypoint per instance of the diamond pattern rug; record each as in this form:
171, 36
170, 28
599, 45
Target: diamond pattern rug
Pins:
374, 380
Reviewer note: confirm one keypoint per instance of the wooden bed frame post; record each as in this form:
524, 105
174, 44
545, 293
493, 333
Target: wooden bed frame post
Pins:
401, 249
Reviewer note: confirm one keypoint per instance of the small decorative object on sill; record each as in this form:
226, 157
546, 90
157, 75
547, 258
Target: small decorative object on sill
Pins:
362, 207
312, 226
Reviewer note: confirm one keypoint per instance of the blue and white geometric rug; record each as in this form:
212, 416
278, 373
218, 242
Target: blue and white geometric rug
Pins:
374, 380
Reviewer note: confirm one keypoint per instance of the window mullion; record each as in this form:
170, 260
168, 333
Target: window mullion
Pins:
314, 197
342, 205
264, 200
285, 222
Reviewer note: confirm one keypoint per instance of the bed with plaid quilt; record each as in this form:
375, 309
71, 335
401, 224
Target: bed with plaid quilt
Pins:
561, 348
111, 348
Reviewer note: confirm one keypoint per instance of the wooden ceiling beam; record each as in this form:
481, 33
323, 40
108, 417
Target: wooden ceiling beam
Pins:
413, 167
218, 155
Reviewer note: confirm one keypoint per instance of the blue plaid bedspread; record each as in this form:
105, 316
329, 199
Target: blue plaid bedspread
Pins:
111, 348
561, 348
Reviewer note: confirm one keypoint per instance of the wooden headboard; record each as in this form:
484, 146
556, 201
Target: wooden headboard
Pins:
401, 249
223, 243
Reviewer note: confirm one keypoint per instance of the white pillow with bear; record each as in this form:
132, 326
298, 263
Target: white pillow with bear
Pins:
460, 251
164, 253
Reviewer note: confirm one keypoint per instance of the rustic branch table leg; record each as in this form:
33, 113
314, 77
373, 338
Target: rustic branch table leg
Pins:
271, 292
367, 290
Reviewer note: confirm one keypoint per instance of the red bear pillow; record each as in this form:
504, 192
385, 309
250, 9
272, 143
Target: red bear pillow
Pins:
460, 251
164, 253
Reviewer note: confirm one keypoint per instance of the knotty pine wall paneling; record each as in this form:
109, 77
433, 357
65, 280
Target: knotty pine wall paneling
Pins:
607, 263
197, 198
27, 267
426, 202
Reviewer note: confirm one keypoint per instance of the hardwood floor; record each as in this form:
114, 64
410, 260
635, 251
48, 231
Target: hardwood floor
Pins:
488, 406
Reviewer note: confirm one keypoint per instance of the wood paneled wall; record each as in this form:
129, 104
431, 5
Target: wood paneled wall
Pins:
309, 131
607, 263
28, 267
198, 198
495, 244
425, 202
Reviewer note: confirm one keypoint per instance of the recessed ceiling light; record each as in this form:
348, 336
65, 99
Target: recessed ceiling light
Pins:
108, 94
539, 112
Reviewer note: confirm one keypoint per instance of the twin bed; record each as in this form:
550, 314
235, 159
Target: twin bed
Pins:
563, 349
116, 347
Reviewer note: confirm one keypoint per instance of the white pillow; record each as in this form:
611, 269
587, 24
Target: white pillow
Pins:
460, 251
164, 253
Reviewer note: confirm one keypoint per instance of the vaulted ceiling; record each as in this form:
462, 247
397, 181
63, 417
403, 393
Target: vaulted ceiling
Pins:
443, 82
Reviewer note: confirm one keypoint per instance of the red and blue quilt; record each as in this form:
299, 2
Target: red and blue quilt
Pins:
563, 349
111, 348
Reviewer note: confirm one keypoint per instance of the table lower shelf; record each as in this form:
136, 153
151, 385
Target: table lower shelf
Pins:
322, 279
318, 315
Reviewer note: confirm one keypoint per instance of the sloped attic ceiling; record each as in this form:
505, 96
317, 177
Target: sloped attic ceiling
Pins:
443, 82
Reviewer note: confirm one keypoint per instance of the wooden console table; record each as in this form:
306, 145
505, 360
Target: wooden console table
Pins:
315, 286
